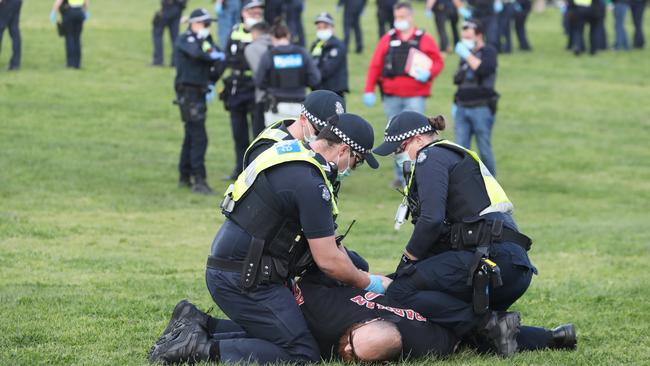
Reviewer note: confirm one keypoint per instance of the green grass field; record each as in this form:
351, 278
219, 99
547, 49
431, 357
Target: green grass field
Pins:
97, 244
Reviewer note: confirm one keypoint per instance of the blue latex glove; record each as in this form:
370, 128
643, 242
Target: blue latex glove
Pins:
217, 56
498, 6
454, 109
517, 7
464, 12
369, 99
86, 15
428, 13
53, 17
462, 50
375, 285
209, 96
218, 8
422, 75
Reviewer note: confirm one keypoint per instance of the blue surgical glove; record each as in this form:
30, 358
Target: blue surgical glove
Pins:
498, 6
375, 285
369, 99
422, 75
218, 8
462, 50
86, 15
464, 12
209, 96
217, 56
454, 109
53, 17
428, 13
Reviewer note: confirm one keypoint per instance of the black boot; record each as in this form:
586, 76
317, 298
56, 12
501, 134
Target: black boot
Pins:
501, 330
564, 337
184, 181
186, 342
186, 310
201, 186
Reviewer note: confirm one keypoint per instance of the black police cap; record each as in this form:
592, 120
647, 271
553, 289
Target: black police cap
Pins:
324, 17
200, 15
357, 133
320, 105
401, 127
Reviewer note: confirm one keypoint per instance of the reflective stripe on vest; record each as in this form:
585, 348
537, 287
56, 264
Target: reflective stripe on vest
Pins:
280, 153
317, 51
241, 35
499, 201
582, 2
273, 133
75, 3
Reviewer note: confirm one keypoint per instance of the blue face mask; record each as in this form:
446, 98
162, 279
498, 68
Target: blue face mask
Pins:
345, 173
402, 158
469, 43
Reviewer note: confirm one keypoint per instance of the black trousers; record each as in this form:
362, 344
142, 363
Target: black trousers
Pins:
385, 16
505, 30
441, 18
9, 18
191, 101
352, 23
239, 117
160, 23
520, 18
637, 8
72, 22
584, 15
294, 21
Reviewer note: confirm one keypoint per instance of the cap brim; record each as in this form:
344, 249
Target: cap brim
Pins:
387, 148
370, 159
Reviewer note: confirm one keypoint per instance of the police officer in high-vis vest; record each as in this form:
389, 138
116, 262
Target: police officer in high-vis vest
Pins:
466, 259
239, 91
73, 15
252, 261
330, 56
319, 106
199, 64
284, 73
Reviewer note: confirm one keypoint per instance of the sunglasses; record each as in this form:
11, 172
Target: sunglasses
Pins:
358, 159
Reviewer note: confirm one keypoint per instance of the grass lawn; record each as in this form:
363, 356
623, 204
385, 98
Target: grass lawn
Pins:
97, 244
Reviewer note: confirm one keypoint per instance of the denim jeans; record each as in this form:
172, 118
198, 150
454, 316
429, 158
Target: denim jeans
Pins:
476, 121
227, 20
620, 11
395, 105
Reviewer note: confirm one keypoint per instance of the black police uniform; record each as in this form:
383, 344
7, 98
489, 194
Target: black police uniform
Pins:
196, 69
352, 10
331, 59
169, 16
443, 11
72, 19
276, 330
344, 306
385, 15
483, 10
239, 92
9, 18
294, 21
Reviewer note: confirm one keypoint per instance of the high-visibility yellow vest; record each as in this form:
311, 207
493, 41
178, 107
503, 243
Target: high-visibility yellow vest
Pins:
586, 3
75, 3
280, 153
240, 34
272, 132
499, 201
317, 51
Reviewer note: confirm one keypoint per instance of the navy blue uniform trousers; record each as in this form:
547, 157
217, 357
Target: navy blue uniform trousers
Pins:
275, 329
351, 23
72, 21
191, 101
159, 24
9, 19
438, 290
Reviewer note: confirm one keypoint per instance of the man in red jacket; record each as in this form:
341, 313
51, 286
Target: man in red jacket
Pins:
398, 67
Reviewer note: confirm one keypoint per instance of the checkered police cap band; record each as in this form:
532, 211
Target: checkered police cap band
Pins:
313, 119
348, 141
405, 135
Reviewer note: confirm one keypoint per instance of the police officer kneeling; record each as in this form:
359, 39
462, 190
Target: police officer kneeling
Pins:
279, 214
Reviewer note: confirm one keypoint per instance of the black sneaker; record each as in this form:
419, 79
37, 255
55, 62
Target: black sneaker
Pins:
501, 330
564, 337
201, 187
184, 181
186, 342
186, 310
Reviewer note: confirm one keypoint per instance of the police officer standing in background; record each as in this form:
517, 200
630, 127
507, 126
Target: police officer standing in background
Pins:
352, 10
199, 65
284, 73
385, 15
294, 21
252, 260
330, 56
239, 90
443, 11
9, 18
169, 16
73, 15
521, 10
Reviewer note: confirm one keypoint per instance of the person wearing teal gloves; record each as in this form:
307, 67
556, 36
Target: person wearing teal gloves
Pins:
73, 15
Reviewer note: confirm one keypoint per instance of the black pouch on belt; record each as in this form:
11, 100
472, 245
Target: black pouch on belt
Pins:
481, 291
250, 269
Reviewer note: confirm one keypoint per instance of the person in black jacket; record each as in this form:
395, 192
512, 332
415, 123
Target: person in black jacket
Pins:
329, 56
169, 16
199, 65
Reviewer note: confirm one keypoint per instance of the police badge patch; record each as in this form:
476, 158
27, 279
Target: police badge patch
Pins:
191, 39
422, 157
339, 108
334, 52
325, 193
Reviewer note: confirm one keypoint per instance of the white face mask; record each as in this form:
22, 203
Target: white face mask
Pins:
249, 22
345, 172
402, 25
308, 136
324, 34
203, 33
469, 43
